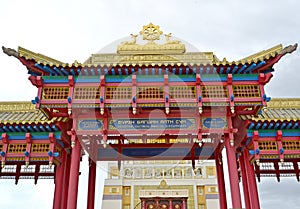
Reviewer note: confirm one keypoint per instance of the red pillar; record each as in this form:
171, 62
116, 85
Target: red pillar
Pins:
245, 182
74, 176
253, 193
183, 203
67, 163
170, 204
233, 175
92, 185
143, 204
59, 178
221, 184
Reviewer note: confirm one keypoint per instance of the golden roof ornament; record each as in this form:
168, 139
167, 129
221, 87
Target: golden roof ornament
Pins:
151, 33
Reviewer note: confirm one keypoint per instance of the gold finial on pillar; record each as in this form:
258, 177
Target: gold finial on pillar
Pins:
73, 144
200, 110
104, 144
167, 110
232, 110
257, 162
282, 161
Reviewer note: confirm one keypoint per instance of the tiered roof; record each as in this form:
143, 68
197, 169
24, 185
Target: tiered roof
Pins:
23, 116
278, 110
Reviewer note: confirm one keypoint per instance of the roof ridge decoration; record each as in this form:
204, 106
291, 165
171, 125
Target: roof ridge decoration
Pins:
151, 33
289, 49
10, 52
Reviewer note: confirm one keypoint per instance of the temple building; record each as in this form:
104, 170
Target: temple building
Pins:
162, 183
161, 115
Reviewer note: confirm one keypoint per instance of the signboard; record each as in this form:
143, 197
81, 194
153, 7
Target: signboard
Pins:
214, 123
89, 124
152, 123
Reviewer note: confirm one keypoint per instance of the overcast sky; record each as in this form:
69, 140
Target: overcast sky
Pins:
73, 29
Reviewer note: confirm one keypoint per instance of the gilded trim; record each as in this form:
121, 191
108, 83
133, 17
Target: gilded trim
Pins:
17, 107
39, 58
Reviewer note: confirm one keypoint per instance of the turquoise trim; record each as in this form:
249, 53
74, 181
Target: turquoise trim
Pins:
182, 78
117, 79
55, 79
245, 77
273, 133
87, 79
213, 77
34, 135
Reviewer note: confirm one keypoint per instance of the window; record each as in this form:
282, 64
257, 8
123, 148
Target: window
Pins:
138, 173
212, 189
201, 206
188, 173
114, 173
200, 191
168, 173
114, 190
177, 173
198, 172
148, 173
158, 173
210, 172
128, 173
127, 191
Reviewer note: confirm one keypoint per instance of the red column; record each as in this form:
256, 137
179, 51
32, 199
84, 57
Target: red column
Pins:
245, 182
74, 176
253, 193
67, 163
170, 204
221, 184
143, 204
183, 204
59, 178
92, 185
233, 175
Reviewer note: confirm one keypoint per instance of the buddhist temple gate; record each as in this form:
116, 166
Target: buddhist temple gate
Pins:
151, 101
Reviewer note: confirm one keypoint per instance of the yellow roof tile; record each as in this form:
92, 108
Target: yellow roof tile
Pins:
22, 113
286, 109
197, 58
